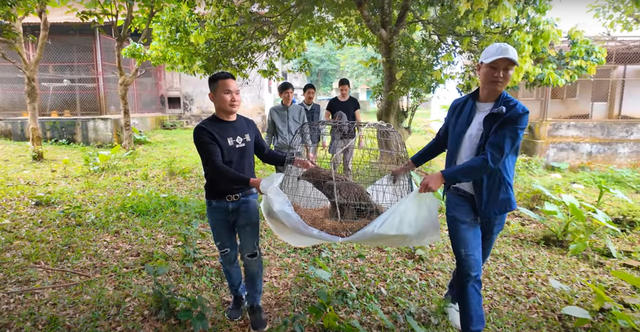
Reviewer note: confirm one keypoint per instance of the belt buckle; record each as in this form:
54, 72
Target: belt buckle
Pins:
233, 198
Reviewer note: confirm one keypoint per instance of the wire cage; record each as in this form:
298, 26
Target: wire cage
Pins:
351, 184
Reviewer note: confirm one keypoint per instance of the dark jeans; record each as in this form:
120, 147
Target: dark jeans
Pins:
472, 239
241, 218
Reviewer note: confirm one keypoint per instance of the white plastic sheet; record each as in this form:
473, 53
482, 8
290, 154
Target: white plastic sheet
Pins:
412, 221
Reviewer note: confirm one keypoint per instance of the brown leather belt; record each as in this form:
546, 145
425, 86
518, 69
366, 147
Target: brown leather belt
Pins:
236, 197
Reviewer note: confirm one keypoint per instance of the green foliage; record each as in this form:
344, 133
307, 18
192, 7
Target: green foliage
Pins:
568, 219
321, 63
13, 10
139, 137
522, 24
617, 15
169, 304
324, 63
141, 211
417, 43
189, 243
172, 124
100, 161
127, 17
326, 312
616, 314
427, 37
238, 37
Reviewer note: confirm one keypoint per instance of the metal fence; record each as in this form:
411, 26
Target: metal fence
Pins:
613, 93
77, 76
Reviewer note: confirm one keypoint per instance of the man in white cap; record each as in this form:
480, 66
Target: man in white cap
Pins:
481, 134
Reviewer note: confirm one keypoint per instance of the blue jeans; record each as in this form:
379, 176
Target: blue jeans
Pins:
241, 218
472, 239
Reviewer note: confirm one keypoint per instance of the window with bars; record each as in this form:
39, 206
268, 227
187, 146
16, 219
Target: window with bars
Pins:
601, 86
569, 91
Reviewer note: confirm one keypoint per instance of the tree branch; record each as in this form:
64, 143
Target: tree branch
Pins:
116, 16
61, 270
386, 14
6, 41
71, 283
280, 14
373, 26
15, 63
127, 23
19, 42
141, 72
147, 31
145, 35
402, 18
44, 33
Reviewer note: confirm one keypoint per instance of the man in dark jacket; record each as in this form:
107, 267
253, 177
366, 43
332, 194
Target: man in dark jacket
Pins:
227, 143
313, 115
481, 134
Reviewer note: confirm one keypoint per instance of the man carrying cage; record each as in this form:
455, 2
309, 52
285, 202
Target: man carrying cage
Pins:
481, 134
227, 143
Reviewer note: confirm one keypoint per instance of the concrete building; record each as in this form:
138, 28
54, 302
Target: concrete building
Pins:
77, 79
593, 120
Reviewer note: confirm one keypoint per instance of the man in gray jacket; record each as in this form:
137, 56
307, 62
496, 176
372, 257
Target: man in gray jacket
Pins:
283, 121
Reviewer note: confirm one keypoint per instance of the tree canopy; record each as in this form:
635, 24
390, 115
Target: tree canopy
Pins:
617, 15
324, 63
418, 43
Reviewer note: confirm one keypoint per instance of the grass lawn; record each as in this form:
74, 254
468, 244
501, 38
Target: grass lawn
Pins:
104, 226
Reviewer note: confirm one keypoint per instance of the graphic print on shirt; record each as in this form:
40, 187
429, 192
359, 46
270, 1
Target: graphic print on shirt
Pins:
239, 141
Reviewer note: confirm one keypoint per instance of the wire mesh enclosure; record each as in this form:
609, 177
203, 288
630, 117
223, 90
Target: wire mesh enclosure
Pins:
609, 94
77, 76
351, 184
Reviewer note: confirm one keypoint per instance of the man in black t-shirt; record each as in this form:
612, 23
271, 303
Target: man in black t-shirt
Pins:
344, 145
227, 143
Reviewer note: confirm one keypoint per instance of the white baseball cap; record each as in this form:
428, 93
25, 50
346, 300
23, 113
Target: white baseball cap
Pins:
497, 51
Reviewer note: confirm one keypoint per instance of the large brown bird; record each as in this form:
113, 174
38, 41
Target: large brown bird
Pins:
353, 202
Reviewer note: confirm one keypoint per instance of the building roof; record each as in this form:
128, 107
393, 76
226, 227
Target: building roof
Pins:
65, 15
57, 15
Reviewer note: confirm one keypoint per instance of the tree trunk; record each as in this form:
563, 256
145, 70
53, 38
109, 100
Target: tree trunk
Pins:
30, 71
391, 147
31, 92
127, 132
124, 81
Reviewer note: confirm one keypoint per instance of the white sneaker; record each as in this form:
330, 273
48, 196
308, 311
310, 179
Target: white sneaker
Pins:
454, 315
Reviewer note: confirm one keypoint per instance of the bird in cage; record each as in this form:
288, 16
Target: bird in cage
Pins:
348, 200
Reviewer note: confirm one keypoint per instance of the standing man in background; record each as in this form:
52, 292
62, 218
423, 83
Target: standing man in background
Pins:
313, 114
481, 134
283, 121
351, 108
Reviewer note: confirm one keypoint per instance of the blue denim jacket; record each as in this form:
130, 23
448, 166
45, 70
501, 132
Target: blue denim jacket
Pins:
492, 169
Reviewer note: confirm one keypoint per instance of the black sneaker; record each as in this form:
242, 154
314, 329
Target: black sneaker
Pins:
235, 309
256, 316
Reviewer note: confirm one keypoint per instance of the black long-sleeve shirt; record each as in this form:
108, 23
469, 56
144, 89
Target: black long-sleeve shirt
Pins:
227, 150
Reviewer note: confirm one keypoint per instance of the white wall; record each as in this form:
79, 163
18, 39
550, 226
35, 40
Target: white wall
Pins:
253, 91
631, 98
